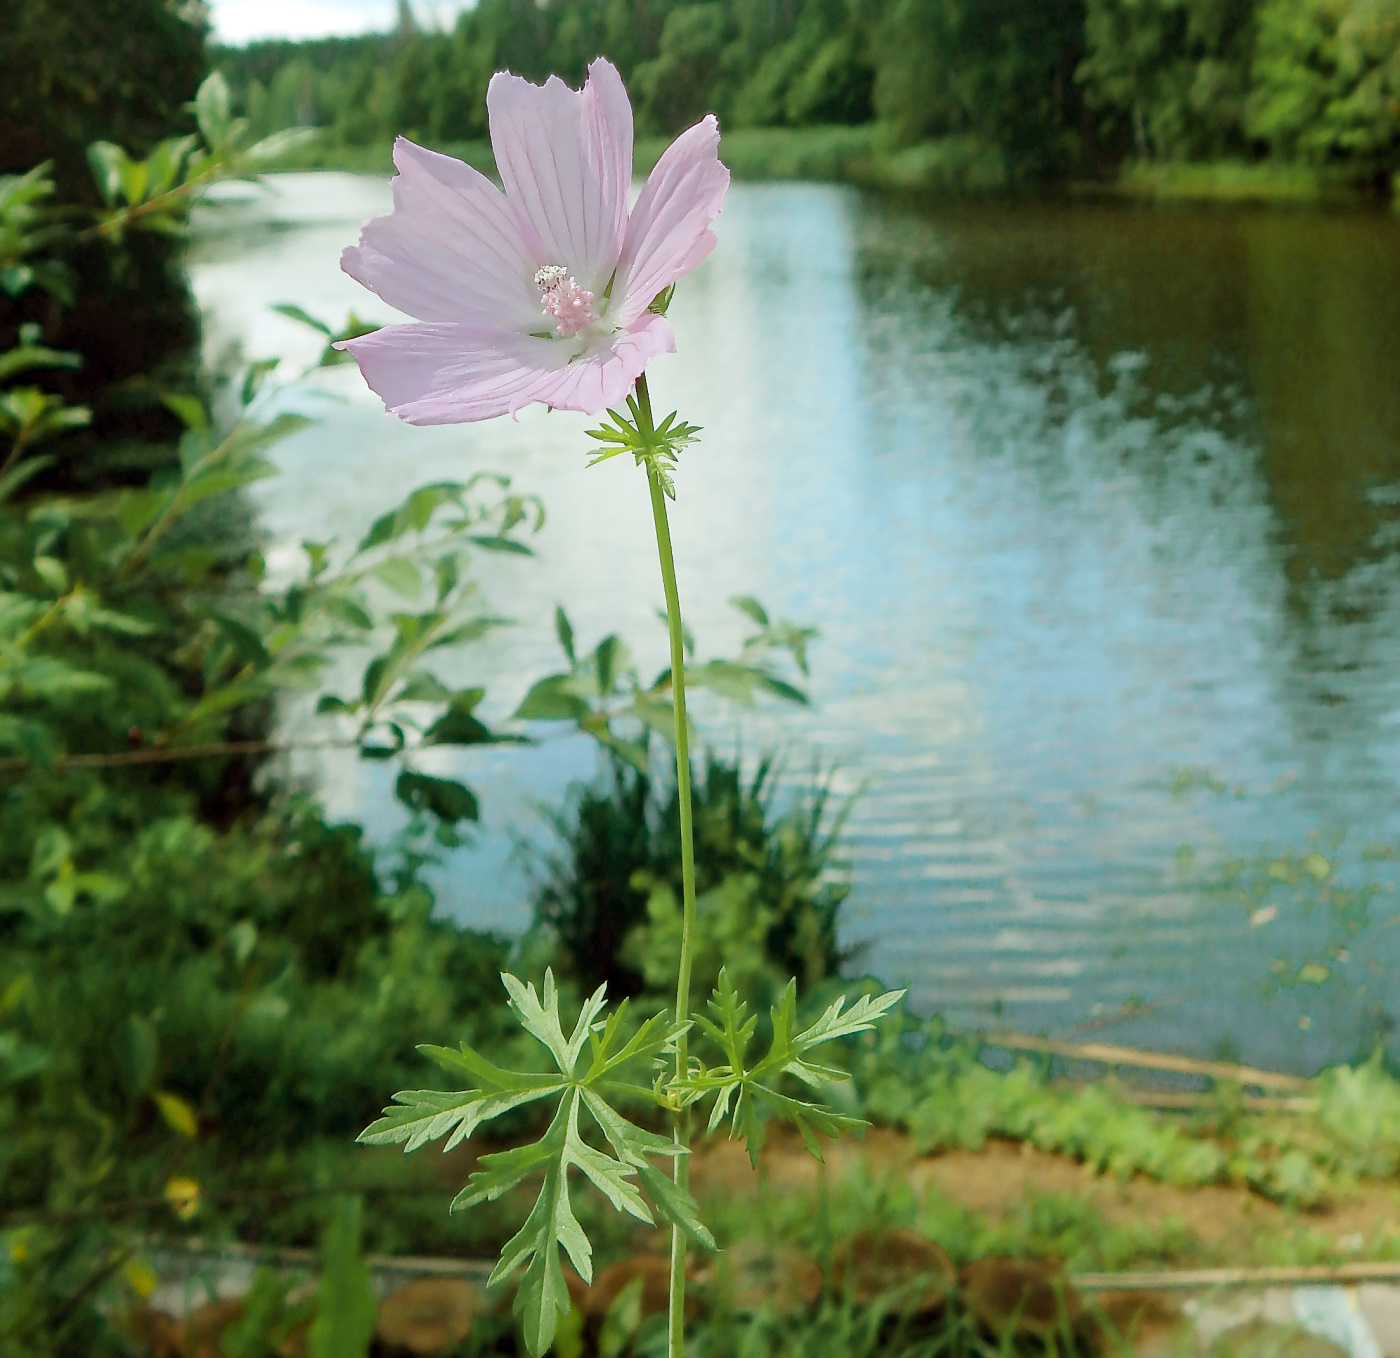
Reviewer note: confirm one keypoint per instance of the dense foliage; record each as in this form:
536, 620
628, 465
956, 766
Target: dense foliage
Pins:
769, 888
994, 91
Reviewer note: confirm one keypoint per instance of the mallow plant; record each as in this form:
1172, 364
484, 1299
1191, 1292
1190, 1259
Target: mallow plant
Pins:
548, 289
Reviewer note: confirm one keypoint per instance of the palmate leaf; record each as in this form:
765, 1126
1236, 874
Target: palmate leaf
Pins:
745, 1093
594, 1063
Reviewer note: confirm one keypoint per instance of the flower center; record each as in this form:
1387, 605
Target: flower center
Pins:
561, 297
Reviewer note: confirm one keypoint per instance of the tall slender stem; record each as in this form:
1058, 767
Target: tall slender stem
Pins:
676, 1341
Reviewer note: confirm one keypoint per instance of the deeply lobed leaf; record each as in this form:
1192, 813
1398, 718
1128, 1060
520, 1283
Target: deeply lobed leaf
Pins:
743, 1093
591, 1062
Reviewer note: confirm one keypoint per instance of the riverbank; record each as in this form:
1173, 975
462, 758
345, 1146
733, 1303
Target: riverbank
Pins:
958, 166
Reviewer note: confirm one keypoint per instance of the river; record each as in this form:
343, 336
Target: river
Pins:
1097, 508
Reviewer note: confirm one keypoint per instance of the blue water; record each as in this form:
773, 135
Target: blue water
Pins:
1096, 509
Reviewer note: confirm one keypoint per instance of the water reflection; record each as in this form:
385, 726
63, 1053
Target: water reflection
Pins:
1081, 496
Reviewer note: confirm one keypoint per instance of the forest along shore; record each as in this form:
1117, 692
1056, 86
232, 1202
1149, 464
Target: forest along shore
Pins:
1247, 100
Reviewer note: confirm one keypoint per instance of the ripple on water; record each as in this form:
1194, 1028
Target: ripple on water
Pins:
1097, 509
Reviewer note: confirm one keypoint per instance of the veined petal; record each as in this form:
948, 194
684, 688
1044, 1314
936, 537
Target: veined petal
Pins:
604, 375
565, 158
451, 250
669, 231
451, 373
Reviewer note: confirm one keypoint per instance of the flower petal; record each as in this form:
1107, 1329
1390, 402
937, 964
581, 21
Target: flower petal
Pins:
604, 375
448, 373
565, 158
669, 231
451, 250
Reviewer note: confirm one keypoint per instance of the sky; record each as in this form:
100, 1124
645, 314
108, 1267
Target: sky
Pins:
240, 21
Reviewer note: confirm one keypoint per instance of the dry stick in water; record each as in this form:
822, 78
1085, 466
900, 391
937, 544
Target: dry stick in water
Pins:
1105, 1054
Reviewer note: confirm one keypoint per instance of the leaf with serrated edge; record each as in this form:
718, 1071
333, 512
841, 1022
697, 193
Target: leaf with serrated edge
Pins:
786, 1055
491, 1076
676, 1205
425, 1115
500, 1171
630, 1142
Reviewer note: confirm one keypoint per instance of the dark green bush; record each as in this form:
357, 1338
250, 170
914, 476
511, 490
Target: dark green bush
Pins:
768, 878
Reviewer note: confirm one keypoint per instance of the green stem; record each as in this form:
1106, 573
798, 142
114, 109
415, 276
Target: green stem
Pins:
676, 1344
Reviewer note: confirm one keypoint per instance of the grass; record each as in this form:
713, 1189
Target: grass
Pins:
751, 153
1228, 181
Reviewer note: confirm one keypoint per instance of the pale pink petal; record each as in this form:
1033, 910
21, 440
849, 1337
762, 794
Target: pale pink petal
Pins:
449, 373
565, 158
669, 231
606, 374
451, 250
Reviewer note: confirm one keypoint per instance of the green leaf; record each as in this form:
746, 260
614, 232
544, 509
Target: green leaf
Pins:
746, 1093
266, 1317
780, 688
189, 409
373, 679
445, 798
346, 1307
465, 633
51, 571
609, 659
178, 1114
136, 1049
254, 378
29, 356
400, 574
246, 643
295, 313
211, 110
249, 436
457, 726
750, 606
564, 629
348, 612
17, 476
105, 160
498, 543
422, 687
676, 1205
138, 509
631, 751
553, 699
429, 1114
551, 1225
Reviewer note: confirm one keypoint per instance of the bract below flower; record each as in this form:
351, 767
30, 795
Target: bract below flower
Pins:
540, 292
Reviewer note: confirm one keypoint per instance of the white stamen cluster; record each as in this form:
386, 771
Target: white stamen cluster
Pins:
570, 305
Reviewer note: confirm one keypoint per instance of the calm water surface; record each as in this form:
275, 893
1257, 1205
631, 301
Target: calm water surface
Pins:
1098, 510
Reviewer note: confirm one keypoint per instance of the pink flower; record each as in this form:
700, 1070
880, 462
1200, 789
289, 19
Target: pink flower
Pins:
540, 293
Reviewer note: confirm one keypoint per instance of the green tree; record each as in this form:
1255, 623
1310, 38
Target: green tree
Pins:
820, 72
1326, 81
997, 69
678, 85
1169, 78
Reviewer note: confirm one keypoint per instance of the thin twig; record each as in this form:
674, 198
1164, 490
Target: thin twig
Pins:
23, 1216
1205, 1278
1166, 1280
172, 755
1104, 1054
1251, 1103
